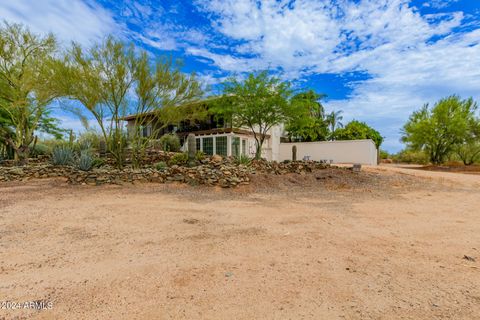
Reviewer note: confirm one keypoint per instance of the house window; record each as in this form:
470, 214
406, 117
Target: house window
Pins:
235, 146
208, 146
198, 144
244, 147
147, 130
221, 146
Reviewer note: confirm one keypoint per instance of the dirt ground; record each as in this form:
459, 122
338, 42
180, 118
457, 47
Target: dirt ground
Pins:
386, 243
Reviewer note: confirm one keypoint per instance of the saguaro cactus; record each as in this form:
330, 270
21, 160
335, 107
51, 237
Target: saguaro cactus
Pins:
192, 147
294, 153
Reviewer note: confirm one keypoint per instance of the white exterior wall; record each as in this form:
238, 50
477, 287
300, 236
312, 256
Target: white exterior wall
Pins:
351, 151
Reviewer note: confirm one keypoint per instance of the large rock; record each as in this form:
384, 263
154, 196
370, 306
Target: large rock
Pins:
217, 158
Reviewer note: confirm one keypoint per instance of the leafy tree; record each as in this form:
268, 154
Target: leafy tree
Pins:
163, 90
101, 79
27, 86
6, 134
469, 150
111, 80
309, 124
439, 130
259, 102
356, 130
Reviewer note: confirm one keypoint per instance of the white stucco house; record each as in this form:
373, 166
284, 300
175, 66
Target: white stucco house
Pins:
215, 137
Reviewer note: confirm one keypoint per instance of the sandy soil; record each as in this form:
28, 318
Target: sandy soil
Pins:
388, 243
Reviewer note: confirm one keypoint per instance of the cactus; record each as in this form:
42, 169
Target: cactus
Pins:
192, 147
294, 153
71, 138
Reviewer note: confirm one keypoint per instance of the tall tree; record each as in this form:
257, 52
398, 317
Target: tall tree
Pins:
334, 120
310, 123
438, 130
27, 84
101, 79
163, 95
259, 102
111, 80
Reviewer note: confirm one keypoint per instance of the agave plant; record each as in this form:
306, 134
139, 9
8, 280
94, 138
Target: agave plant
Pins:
85, 161
62, 155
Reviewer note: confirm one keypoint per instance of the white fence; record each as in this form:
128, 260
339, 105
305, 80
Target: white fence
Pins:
348, 151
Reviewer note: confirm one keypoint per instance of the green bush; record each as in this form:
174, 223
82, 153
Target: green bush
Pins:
89, 140
85, 161
41, 149
170, 142
63, 155
179, 159
384, 154
409, 156
200, 155
98, 162
162, 165
243, 159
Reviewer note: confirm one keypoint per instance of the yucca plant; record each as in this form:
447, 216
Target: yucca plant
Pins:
85, 161
62, 155
243, 159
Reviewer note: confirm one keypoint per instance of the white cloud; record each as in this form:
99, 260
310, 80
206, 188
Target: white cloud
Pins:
438, 4
387, 39
68, 19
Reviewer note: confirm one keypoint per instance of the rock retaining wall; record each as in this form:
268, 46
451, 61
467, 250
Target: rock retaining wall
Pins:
210, 171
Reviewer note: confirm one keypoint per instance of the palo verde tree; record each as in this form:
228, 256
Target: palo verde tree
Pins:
163, 94
28, 85
111, 80
309, 122
259, 102
438, 131
101, 78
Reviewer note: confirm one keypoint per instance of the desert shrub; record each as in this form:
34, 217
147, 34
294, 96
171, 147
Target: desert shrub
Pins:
170, 142
41, 149
384, 154
98, 162
162, 165
85, 161
63, 155
89, 140
54, 143
409, 156
179, 159
468, 153
200, 155
243, 159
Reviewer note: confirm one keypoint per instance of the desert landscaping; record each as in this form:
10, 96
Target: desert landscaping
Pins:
383, 243
239, 160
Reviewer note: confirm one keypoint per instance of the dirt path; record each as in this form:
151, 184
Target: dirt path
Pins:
382, 244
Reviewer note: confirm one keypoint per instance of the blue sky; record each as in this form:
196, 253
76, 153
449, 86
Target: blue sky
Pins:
377, 60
